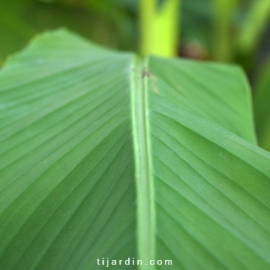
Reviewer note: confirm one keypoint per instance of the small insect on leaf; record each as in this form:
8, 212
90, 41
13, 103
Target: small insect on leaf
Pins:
146, 74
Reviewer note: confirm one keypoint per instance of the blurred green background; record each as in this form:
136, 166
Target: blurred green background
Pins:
114, 23
234, 31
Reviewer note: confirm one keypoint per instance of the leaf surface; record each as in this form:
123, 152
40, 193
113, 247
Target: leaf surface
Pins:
107, 156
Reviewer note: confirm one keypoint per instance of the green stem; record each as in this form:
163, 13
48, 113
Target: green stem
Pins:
159, 27
222, 36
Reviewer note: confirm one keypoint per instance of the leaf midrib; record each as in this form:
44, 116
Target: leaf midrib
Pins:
144, 181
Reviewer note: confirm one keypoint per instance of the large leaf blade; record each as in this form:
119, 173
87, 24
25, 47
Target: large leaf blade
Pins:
67, 130
210, 184
220, 92
82, 126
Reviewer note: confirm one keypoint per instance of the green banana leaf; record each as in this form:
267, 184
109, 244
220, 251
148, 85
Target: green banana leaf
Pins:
106, 157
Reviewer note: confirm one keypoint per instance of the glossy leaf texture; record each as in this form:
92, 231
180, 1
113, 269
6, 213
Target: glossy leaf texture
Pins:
104, 155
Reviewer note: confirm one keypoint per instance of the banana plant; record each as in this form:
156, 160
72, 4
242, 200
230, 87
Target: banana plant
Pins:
110, 159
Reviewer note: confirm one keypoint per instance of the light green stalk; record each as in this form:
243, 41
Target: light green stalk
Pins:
253, 26
222, 36
159, 27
